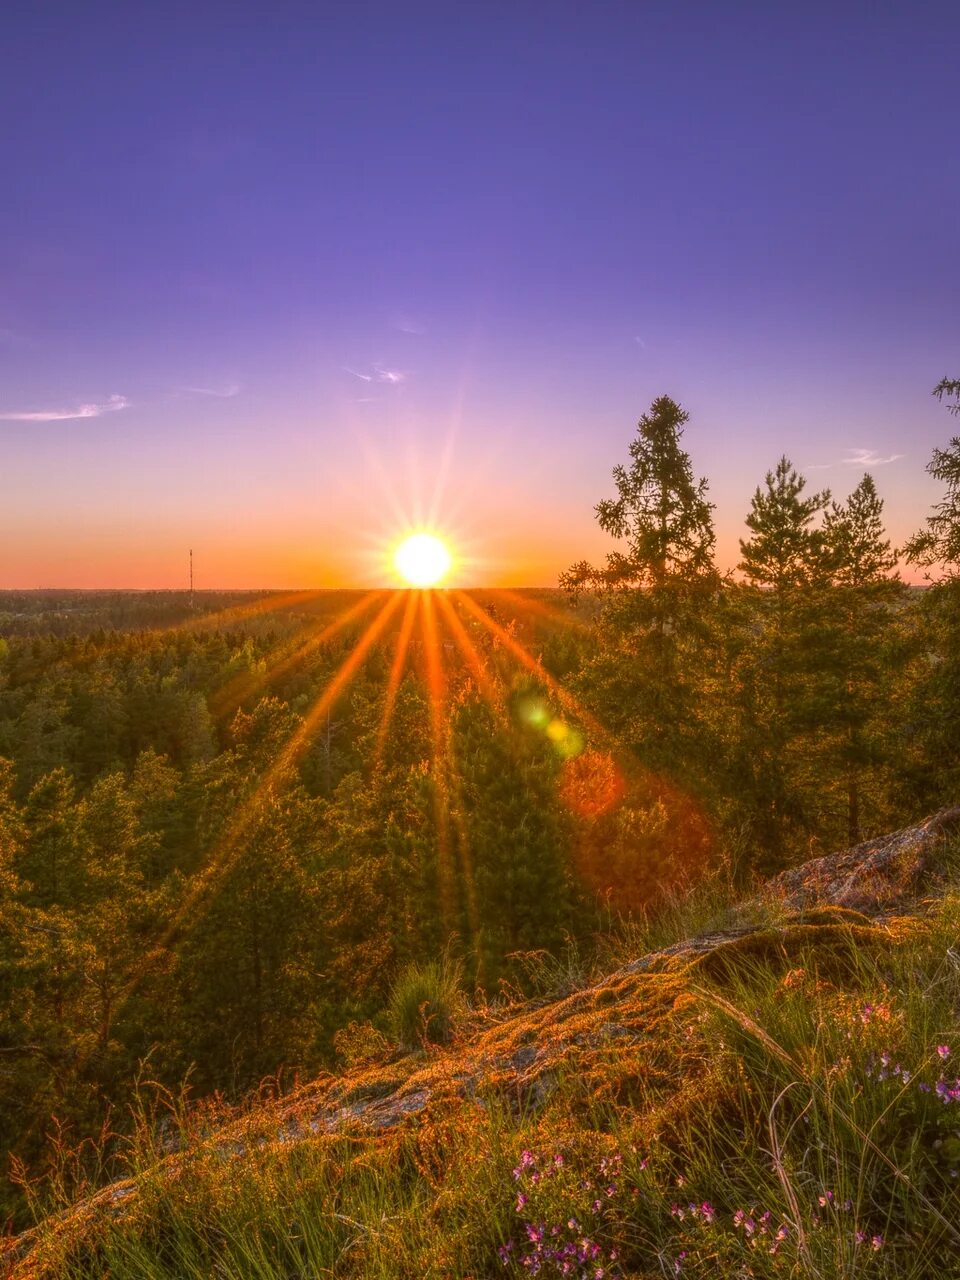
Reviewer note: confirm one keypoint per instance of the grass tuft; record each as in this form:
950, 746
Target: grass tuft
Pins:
424, 1003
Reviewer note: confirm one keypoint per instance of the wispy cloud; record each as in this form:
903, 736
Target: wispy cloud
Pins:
856, 458
869, 458
226, 392
65, 415
393, 377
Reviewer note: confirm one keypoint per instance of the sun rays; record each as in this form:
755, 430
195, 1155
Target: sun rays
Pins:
450, 643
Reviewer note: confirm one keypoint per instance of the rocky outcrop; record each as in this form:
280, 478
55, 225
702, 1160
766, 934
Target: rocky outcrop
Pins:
884, 874
831, 908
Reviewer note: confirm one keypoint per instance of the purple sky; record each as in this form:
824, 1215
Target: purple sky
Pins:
267, 270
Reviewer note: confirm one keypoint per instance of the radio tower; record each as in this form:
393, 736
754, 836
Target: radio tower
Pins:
191, 577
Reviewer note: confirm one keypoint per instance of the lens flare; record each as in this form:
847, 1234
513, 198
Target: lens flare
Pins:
422, 560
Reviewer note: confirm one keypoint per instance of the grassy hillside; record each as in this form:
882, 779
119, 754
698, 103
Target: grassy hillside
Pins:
767, 1089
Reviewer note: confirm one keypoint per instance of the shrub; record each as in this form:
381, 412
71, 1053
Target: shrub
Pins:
358, 1043
424, 1002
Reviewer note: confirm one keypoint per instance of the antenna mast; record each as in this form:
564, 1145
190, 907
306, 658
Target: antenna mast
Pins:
191, 577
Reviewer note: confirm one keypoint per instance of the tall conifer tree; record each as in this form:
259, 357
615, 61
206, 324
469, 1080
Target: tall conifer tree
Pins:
855, 677
784, 564
936, 548
657, 593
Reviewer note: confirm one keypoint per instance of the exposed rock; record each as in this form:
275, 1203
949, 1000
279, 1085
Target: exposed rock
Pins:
878, 875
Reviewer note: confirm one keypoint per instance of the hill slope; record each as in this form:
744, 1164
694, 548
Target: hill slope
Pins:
775, 1096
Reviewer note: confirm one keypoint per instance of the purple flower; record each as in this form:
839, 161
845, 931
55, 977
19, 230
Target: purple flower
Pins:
943, 1050
521, 1201
876, 1242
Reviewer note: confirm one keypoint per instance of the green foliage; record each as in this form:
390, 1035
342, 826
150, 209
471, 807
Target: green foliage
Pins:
812, 665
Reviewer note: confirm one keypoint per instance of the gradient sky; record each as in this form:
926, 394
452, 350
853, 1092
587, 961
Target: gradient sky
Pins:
270, 272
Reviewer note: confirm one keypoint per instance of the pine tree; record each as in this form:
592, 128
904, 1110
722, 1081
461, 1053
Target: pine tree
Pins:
511, 840
21, 1056
244, 940
785, 551
858, 553
660, 511
784, 564
936, 693
53, 884
657, 594
939, 543
117, 912
855, 684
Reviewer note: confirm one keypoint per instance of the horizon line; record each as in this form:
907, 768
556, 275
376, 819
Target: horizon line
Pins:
531, 586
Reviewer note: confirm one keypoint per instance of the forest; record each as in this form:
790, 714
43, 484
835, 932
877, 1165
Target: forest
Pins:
228, 821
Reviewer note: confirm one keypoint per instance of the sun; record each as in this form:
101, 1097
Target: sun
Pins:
422, 560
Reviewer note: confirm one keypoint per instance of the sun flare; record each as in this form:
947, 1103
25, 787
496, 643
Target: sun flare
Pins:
422, 560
